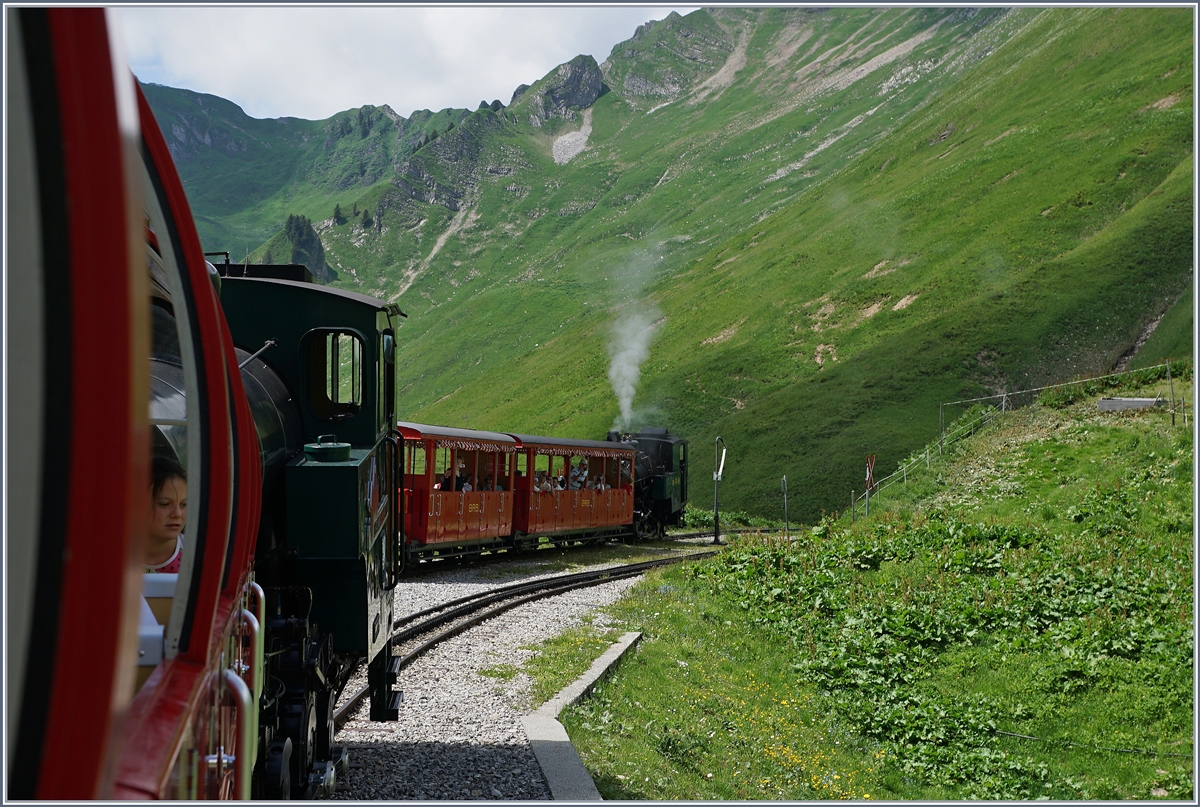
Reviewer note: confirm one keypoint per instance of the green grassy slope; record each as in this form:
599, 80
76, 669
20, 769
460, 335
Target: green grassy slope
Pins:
818, 223
1174, 336
1015, 623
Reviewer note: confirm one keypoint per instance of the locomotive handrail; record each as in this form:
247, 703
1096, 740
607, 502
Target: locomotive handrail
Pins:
260, 608
243, 760
252, 627
257, 353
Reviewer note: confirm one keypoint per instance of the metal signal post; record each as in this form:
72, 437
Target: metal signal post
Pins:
785, 513
718, 468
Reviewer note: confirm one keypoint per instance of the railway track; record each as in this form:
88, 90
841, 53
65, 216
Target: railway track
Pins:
446, 620
708, 533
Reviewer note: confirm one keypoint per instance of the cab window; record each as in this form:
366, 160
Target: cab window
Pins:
335, 361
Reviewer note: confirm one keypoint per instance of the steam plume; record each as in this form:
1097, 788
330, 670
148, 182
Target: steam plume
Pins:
628, 348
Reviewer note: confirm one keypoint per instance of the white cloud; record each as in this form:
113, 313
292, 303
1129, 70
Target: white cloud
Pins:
313, 61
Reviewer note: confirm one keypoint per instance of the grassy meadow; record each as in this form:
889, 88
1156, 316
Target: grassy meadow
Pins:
1014, 623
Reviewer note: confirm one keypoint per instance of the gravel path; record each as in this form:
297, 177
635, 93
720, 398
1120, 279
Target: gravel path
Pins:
459, 735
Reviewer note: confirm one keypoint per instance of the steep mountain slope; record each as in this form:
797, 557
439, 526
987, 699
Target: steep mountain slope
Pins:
800, 229
245, 176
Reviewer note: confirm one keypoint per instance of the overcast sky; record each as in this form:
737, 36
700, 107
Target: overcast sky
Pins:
312, 61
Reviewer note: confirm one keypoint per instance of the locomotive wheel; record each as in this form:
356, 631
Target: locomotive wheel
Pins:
277, 773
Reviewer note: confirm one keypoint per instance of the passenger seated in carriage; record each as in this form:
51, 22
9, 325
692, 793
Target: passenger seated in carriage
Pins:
579, 474
163, 549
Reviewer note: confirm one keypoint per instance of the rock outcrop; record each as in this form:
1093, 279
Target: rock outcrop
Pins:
571, 86
662, 60
298, 242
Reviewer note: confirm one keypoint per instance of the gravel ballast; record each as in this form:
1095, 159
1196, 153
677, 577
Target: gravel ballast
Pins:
460, 734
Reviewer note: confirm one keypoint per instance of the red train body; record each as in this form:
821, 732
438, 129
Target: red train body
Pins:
448, 522
92, 176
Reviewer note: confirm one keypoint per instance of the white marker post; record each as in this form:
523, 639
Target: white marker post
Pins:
720, 467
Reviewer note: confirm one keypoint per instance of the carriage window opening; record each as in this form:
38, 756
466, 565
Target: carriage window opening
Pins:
468, 462
416, 458
335, 374
502, 476
442, 461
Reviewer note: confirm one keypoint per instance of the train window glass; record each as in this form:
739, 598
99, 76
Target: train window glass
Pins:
541, 462
177, 409
386, 378
335, 374
344, 382
522, 465
164, 339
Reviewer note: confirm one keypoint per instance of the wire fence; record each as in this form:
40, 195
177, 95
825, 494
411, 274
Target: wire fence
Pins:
1005, 401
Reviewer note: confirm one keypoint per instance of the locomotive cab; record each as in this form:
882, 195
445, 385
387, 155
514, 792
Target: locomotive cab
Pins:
321, 363
662, 476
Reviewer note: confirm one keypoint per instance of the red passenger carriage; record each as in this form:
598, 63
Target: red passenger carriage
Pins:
491, 497
578, 511
462, 516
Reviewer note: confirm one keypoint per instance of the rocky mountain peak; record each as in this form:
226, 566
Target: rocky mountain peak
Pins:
573, 85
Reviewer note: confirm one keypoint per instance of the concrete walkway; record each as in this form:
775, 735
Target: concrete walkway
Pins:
564, 771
